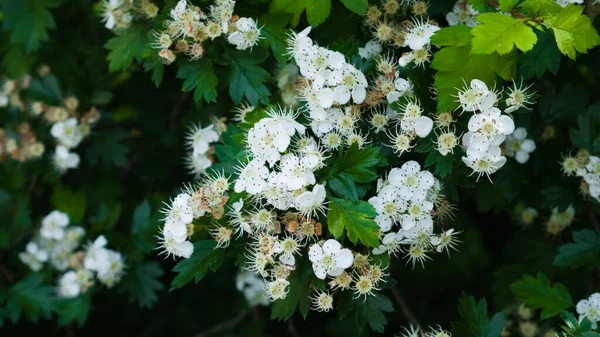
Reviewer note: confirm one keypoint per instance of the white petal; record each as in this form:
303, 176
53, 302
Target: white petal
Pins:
423, 126
319, 270
359, 94
315, 253
331, 246
528, 145
522, 157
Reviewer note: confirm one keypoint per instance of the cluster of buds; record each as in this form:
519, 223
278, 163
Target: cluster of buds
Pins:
118, 15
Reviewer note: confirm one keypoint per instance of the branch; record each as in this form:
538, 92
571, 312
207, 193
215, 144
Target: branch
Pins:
404, 307
226, 325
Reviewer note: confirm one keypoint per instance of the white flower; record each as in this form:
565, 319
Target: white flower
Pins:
96, 255
237, 219
420, 34
350, 83
294, 173
485, 163
389, 205
199, 139
412, 120
112, 270
310, 203
67, 132
33, 256
180, 212
247, 34
277, 289
252, 177
111, 12
170, 246
330, 259
64, 160
390, 244
252, 287
322, 301
68, 285
271, 136
370, 49
412, 183
518, 146
53, 225
590, 309
462, 13
286, 249
477, 96
491, 123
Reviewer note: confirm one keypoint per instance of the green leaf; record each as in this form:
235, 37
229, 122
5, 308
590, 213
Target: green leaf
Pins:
46, 89
585, 250
540, 7
573, 31
142, 283
589, 129
31, 297
126, 47
246, 79
475, 321
199, 75
507, 5
275, 35
538, 293
357, 6
544, 56
371, 311
458, 36
316, 10
356, 218
28, 21
71, 202
478, 5
499, 32
354, 166
575, 328
154, 65
107, 147
74, 309
16, 62
205, 257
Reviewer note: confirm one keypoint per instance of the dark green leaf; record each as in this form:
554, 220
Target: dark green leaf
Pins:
199, 75
585, 250
538, 293
205, 257
142, 283
356, 218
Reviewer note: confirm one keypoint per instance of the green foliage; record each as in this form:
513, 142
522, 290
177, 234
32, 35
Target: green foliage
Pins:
538, 293
353, 167
75, 309
316, 10
584, 251
246, 78
205, 257
475, 321
573, 31
141, 284
107, 148
372, 310
544, 56
275, 35
587, 135
500, 33
297, 297
357, 6
354, 217
125, 48
199, 75
28, 21
574, 328
71, 202
31, 297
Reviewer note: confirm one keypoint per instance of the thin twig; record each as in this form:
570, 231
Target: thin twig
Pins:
404, 307
230, 324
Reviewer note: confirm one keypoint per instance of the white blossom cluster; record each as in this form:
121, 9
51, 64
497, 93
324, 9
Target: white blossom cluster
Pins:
519, 146
252, 286
118, 15
417, 331
488, 128
189, 27
590, 173
565, 3
462, 14
60, 244
590, 308
207, 197
199, 142
408, 200
68, 129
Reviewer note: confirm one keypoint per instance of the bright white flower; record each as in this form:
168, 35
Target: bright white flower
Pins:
111, 271
590, 308
412, 120
350, 83
199, 139
252, 177
591, 175
492, 123
446, 142
111, 12
286, 249
53, 225
518, 146
96, 255
322, 301
170, 246
477, 96
330, 259
294, 173
565, 3
412, 183
312, 202
237, 219
462, 13
390, 244
247, 34
445, 241
420, 34
389, 205
277, 289
67, 132
64, 160
485, 163
33, 256
68, 285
